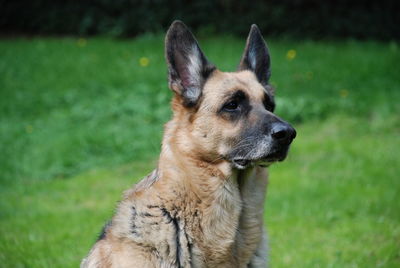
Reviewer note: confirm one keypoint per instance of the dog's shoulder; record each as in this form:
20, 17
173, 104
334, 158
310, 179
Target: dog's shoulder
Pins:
149, 217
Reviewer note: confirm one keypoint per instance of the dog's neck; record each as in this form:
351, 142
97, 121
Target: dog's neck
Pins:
182, 169
213, 187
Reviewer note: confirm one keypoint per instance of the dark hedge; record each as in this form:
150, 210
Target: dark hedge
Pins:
123, 18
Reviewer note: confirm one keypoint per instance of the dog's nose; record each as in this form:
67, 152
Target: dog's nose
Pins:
283, 133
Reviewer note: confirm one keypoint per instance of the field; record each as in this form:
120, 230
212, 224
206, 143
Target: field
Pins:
81, 120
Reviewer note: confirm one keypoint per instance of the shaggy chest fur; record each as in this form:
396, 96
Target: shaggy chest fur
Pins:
188, 228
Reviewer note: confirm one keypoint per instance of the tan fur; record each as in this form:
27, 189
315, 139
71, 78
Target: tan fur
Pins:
195, 209
220, 210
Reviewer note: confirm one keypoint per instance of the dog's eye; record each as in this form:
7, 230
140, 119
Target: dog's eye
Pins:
231, 106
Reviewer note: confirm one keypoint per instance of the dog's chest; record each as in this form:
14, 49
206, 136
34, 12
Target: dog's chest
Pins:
214, 237
190, 230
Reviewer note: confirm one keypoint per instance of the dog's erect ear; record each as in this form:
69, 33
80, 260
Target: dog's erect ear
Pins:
188, 68
256, 56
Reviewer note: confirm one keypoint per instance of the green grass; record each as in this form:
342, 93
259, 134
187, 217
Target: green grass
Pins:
80, 121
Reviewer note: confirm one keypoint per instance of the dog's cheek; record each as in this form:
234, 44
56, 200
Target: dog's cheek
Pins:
226, 144
206, 140
216, 144
224, 150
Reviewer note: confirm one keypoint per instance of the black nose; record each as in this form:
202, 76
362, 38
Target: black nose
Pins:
283, 133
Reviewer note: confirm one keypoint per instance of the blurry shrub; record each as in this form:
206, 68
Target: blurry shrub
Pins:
298, 18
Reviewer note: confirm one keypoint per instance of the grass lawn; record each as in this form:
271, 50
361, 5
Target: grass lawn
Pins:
81, 120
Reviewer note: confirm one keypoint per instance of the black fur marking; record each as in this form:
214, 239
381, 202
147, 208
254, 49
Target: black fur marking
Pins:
190, 247
269, 102
175, 222
242, 110
167, 215
256, 56
146, 214
133, 224
178, 242
152, 206
103, 232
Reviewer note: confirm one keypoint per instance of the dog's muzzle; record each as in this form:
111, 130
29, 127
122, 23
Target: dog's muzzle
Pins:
281, 136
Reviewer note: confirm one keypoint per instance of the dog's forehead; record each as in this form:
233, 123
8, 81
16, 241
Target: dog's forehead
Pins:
221, 83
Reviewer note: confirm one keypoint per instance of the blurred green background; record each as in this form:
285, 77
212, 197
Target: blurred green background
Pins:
82, 113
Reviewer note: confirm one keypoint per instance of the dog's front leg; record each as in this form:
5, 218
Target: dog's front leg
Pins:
251, 243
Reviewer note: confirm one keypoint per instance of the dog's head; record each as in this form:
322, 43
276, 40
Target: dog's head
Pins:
227, 115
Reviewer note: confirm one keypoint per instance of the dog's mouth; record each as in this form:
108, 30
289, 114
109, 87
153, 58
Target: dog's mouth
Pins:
264, 161
241, 163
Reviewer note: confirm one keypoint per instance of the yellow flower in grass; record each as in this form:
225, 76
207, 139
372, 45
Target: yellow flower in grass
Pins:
343, 93
81, 42
291, 54
144, 62
29, 129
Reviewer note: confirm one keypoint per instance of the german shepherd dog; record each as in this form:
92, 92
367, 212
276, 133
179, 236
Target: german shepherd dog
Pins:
203, 205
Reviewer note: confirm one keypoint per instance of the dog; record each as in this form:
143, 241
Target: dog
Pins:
203, 204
